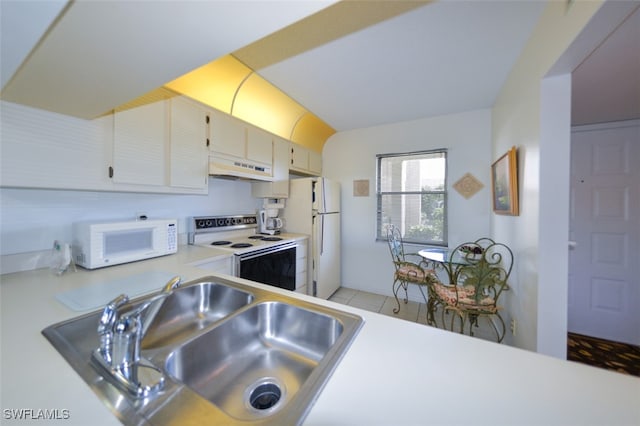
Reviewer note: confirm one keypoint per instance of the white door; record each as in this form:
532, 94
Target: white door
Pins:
604, 265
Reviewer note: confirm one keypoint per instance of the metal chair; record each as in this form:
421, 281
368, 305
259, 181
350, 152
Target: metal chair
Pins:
407, 272
479, 272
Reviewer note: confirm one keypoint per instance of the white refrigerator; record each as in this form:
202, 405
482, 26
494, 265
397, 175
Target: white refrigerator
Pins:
313, 208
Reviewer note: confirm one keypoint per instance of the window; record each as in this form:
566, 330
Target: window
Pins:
412, 195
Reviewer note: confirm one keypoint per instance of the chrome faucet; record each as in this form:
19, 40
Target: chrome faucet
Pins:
120, 341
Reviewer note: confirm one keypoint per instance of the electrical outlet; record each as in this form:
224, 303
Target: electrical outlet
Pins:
513, 326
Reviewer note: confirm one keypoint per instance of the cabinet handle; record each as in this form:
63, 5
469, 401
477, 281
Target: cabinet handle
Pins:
207, 119
207, 141
111, 171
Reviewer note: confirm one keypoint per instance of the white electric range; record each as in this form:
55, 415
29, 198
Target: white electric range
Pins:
268, 259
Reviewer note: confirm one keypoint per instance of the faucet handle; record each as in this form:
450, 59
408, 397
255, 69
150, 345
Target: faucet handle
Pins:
172, 284
106, 325
110, 312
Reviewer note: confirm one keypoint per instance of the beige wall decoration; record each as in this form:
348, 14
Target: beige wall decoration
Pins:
361, 188
468, 185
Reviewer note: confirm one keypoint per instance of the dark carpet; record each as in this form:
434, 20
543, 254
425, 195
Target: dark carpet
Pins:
620, 357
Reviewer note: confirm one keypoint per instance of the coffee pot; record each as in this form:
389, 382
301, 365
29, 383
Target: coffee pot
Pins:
274, 223
269, 223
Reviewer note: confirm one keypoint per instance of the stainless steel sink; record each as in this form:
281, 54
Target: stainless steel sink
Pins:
192, 308
231, 353
256, 362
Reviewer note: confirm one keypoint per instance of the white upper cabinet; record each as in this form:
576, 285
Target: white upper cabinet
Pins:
239, 149
41, 149
299, 157
315, 163
228, 135
159, 147
279, 187
305, 161
188, 145
139, 139
161, 144
259, 145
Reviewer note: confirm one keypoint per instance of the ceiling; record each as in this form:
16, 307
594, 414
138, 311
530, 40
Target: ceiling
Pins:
441, 58
445, 57
369, 63
606, 86
94, 56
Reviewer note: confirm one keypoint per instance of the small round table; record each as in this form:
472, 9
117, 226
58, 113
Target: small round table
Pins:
441, 257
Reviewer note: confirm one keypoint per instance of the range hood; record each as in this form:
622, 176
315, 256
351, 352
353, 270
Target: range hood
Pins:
232, 167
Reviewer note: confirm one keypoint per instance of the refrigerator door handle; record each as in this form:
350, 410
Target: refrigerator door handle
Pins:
321, 234
324, 195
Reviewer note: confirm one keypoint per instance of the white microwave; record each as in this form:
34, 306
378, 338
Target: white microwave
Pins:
96, 245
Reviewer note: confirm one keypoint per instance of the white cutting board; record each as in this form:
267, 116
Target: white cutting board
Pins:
93, 296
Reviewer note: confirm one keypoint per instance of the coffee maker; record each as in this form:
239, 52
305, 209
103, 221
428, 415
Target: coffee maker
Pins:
268, 221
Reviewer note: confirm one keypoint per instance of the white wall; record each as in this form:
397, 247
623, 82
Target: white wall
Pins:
555, 155
522, 117
31, 219
351, 155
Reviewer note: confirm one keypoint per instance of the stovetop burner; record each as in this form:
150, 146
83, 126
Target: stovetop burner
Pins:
236, 234
241, 245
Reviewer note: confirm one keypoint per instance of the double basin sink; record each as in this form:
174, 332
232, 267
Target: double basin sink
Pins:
230, 353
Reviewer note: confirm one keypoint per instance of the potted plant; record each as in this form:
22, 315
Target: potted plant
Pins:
470, 251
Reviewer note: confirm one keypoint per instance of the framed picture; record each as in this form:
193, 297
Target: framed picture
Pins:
504, 182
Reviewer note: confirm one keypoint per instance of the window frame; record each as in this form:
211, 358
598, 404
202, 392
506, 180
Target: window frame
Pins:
444, 192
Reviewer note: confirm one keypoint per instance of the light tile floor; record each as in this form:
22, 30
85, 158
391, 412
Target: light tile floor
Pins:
412, 311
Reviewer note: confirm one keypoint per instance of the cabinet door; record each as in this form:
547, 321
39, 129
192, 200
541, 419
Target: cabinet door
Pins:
259, 145
299, 157
279, 188
280, 184
188, 145
315, 163
221, 266
139, 140
40, 149
280, 159
228, 135
305, 161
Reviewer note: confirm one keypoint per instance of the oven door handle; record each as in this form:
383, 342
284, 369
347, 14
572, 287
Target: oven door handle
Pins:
257, 253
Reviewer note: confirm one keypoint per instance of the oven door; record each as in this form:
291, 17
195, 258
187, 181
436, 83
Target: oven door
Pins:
275, 265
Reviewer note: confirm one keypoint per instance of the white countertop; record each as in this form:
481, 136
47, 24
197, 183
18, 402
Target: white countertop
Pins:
395, 373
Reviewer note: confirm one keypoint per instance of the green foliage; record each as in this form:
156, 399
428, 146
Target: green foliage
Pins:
431, 227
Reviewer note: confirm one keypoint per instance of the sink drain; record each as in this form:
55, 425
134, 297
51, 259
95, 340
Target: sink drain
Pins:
265, 396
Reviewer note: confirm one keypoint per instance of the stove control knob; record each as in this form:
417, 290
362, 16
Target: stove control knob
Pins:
200, 224
220, 222
207, 224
